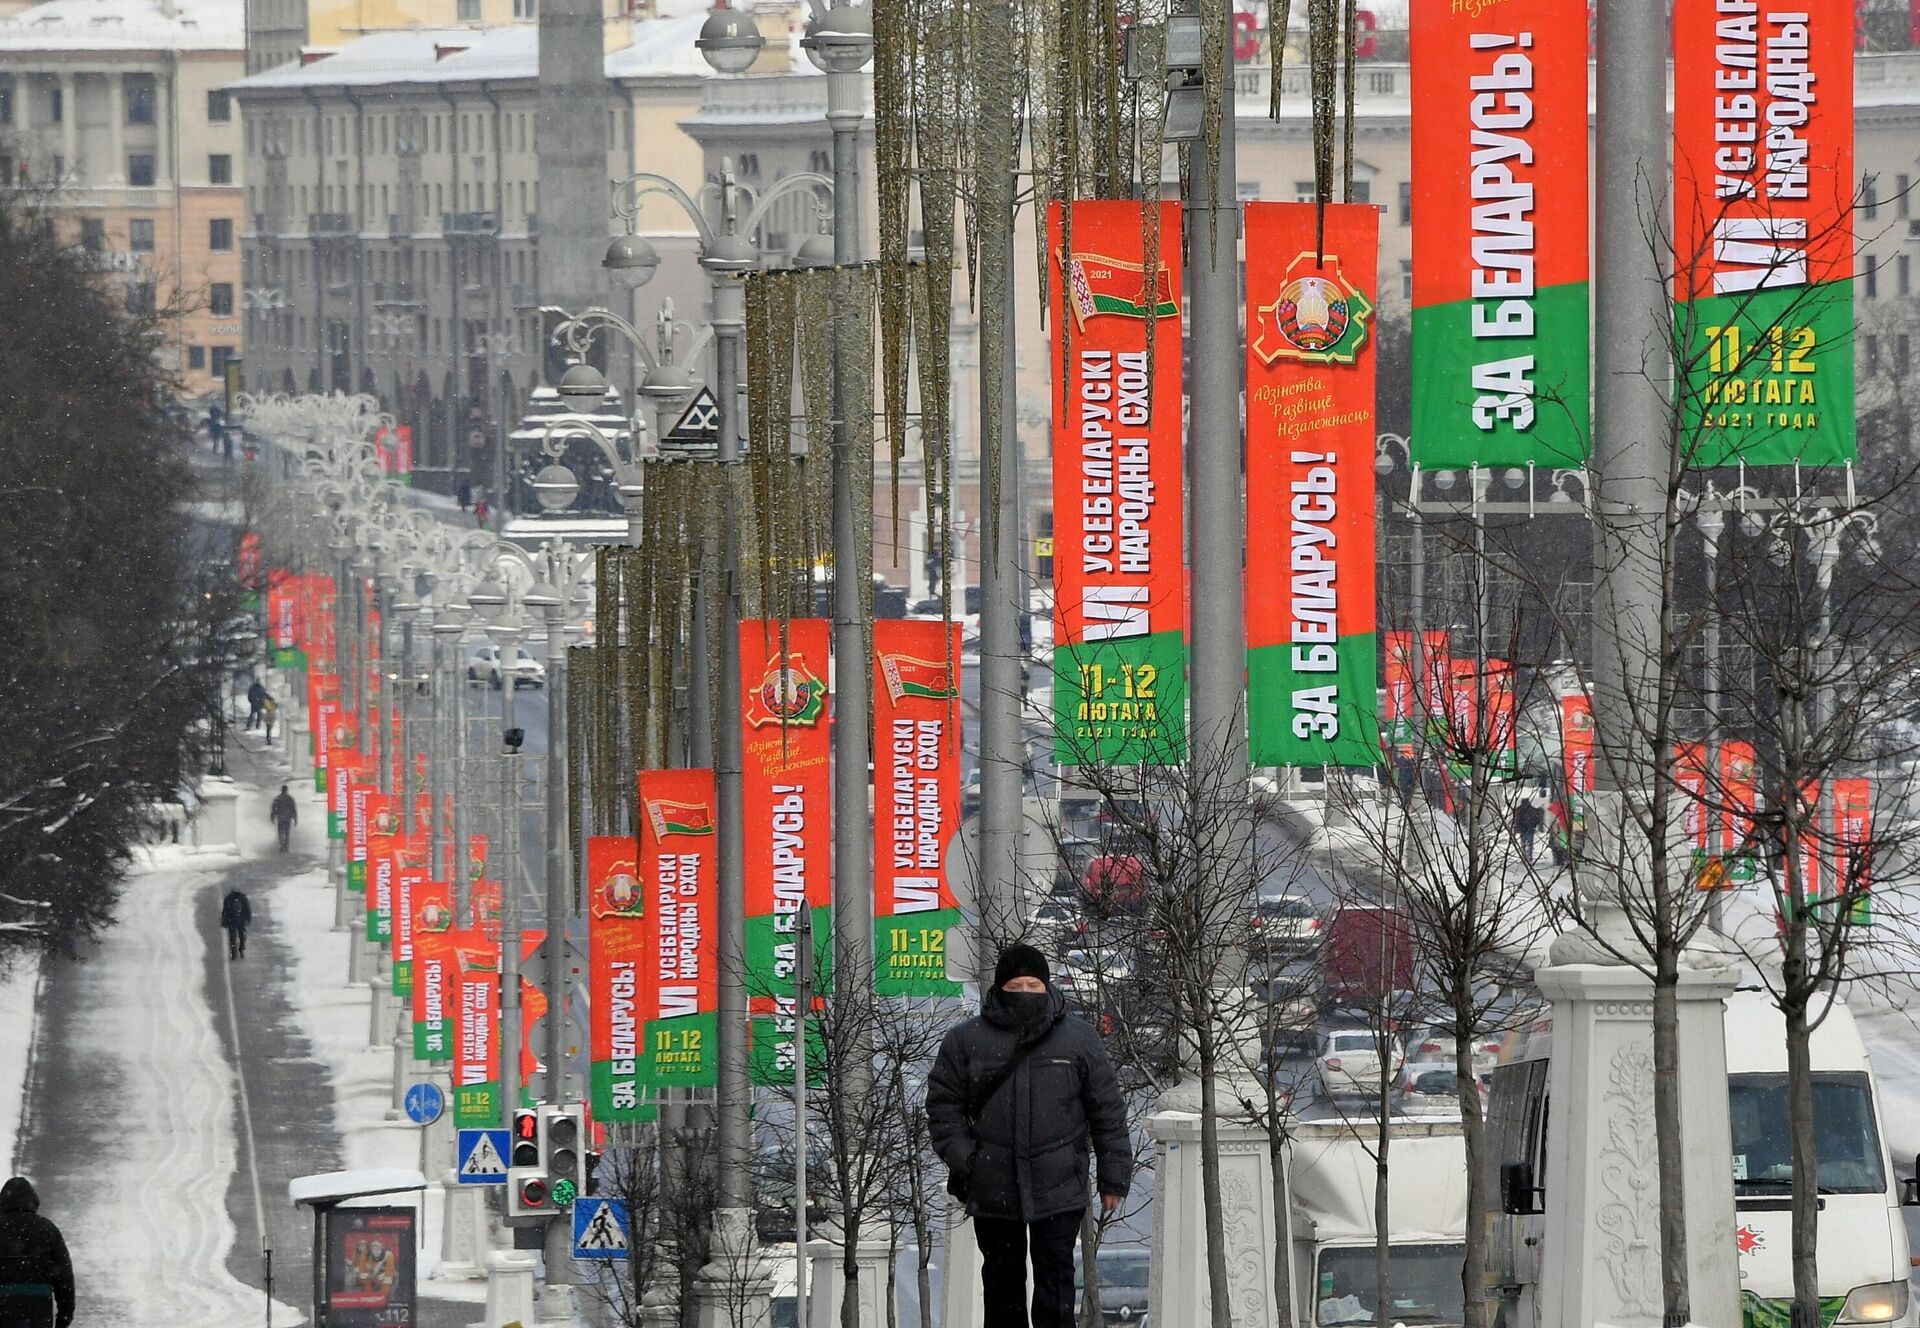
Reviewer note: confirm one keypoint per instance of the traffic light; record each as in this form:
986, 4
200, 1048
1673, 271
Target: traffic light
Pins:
563, 1151
529, 1187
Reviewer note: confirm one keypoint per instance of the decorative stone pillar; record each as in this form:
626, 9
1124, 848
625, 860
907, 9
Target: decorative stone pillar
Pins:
827, 1279
962, 1301
734, 1289
218, 818
1600, 1256
465, 1241
1177, 1272
509, 1288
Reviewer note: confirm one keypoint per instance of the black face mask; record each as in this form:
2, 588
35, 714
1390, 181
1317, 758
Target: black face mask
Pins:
1028, 1008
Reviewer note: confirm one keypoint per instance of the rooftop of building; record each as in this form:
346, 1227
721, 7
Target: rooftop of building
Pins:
127, 25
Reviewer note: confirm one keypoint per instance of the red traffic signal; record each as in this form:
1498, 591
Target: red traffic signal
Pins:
526, 1139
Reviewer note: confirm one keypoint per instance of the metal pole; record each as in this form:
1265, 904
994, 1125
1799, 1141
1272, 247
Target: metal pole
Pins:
735, 1094
384, 714
1631, 411
455, 857
509, 926
407, 688
852, 583
436, 752
1002, 596
559, 879
802, 1005
1218, 737
1711, 525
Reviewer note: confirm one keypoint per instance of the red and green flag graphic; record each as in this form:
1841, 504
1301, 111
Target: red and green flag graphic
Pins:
1500, 266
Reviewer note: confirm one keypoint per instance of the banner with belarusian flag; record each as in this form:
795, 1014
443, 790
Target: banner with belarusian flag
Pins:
616, 902
1763, 230
916, 744
410, 882
678, 979
383, 867
787, 804
1576, 746
476, 862
1119, 650
433, 970
325, 711
1311, 675
1853, 847
1402, 724
1737, 768
476, 1031
1500, 254
1690, 770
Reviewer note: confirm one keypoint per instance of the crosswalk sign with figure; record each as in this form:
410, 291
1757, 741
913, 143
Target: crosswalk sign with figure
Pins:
482, 1157
599, 1228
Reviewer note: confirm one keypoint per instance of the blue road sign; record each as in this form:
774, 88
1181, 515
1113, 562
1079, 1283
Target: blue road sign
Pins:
483, 1157
424, 1103
599, 1228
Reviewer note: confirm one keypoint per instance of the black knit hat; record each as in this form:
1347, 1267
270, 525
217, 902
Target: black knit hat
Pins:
1021, 961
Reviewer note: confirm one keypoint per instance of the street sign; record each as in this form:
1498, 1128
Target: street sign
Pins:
699, 422
599, 1228
424, 1103
483, 1157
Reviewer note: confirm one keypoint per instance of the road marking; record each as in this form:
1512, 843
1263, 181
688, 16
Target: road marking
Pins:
246, 1106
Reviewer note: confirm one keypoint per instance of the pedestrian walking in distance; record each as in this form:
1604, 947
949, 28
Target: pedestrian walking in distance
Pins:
268, 714
283, 814
236, 912
257, 699
1015, 1098
36, 1276
1527, 820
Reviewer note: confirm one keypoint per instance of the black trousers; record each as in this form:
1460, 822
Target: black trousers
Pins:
1004, 1246
236, 942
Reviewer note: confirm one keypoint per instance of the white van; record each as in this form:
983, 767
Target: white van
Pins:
1862, 1250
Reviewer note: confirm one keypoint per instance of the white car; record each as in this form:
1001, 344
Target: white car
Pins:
1349, 1063
483, 665
1428, 1088
1054, 920
1438, 1045
1285, 922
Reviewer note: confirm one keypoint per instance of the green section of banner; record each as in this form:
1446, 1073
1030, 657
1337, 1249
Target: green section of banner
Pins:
433, 1041
1446, 354
403, 978
356, 876
336, 821
769, 1059
763, 953
380, 919
289, 657
1771, 377
910, 951
477, 1106
1121, 702
1298, 718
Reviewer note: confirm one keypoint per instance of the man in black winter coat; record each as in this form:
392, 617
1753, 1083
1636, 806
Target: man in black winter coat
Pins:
236, 915
1016, 1141
36, 1277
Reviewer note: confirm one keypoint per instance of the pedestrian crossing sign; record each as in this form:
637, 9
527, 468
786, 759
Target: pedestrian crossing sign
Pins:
483, 1157
599, 1228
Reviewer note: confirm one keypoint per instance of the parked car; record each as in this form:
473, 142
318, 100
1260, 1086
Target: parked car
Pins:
484, 665
1123, 1284
1428, 1088
1285, 922
1088, 969
1288, 1005
1437, 1044
1350, 1063
1055, 924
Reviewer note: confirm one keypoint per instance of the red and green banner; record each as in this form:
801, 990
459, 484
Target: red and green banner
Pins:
787, 801
485, 898
678, 981
326, 717
1119, 658
1690, 769
1763, 235
1311, 675
476, 1031
916, 745
383, 869
1500, 265
1576, 746
434, 967
476, 863
410, 883
1853, 846
616, 968
1403, 725
1736, 780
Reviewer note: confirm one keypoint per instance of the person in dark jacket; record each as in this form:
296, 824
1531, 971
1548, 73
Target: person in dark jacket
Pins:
36, 1276
1016, 1143
283, 814
236, 914
256, 704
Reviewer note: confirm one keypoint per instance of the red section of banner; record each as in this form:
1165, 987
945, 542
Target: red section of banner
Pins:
1852, 836
1576, 743
1736, 793
616, 901
1690, 778
1763, 146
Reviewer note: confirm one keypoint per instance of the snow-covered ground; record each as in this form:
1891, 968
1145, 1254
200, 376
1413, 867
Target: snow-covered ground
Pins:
158, 1235
18, 991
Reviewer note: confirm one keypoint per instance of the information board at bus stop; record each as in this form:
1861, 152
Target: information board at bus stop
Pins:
370, 1267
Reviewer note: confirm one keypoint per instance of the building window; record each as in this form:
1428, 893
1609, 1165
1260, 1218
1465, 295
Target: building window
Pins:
1406, 279
139, 93
59, 168
1901, 349
1303, 191
6, 105
140, 170
219, 168
221, 354
468, 11
57, 104
1902, 196
219, 107
748, 166
197, 356
523, 8
220, 234
1902, 273
1406, 202
140, 235
93, 234
1873, 277
6, 171
140, 297
220, 299
1870, 198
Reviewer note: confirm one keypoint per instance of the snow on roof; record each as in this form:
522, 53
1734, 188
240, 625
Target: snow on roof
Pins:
126, 25
409, 56
333, 1186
